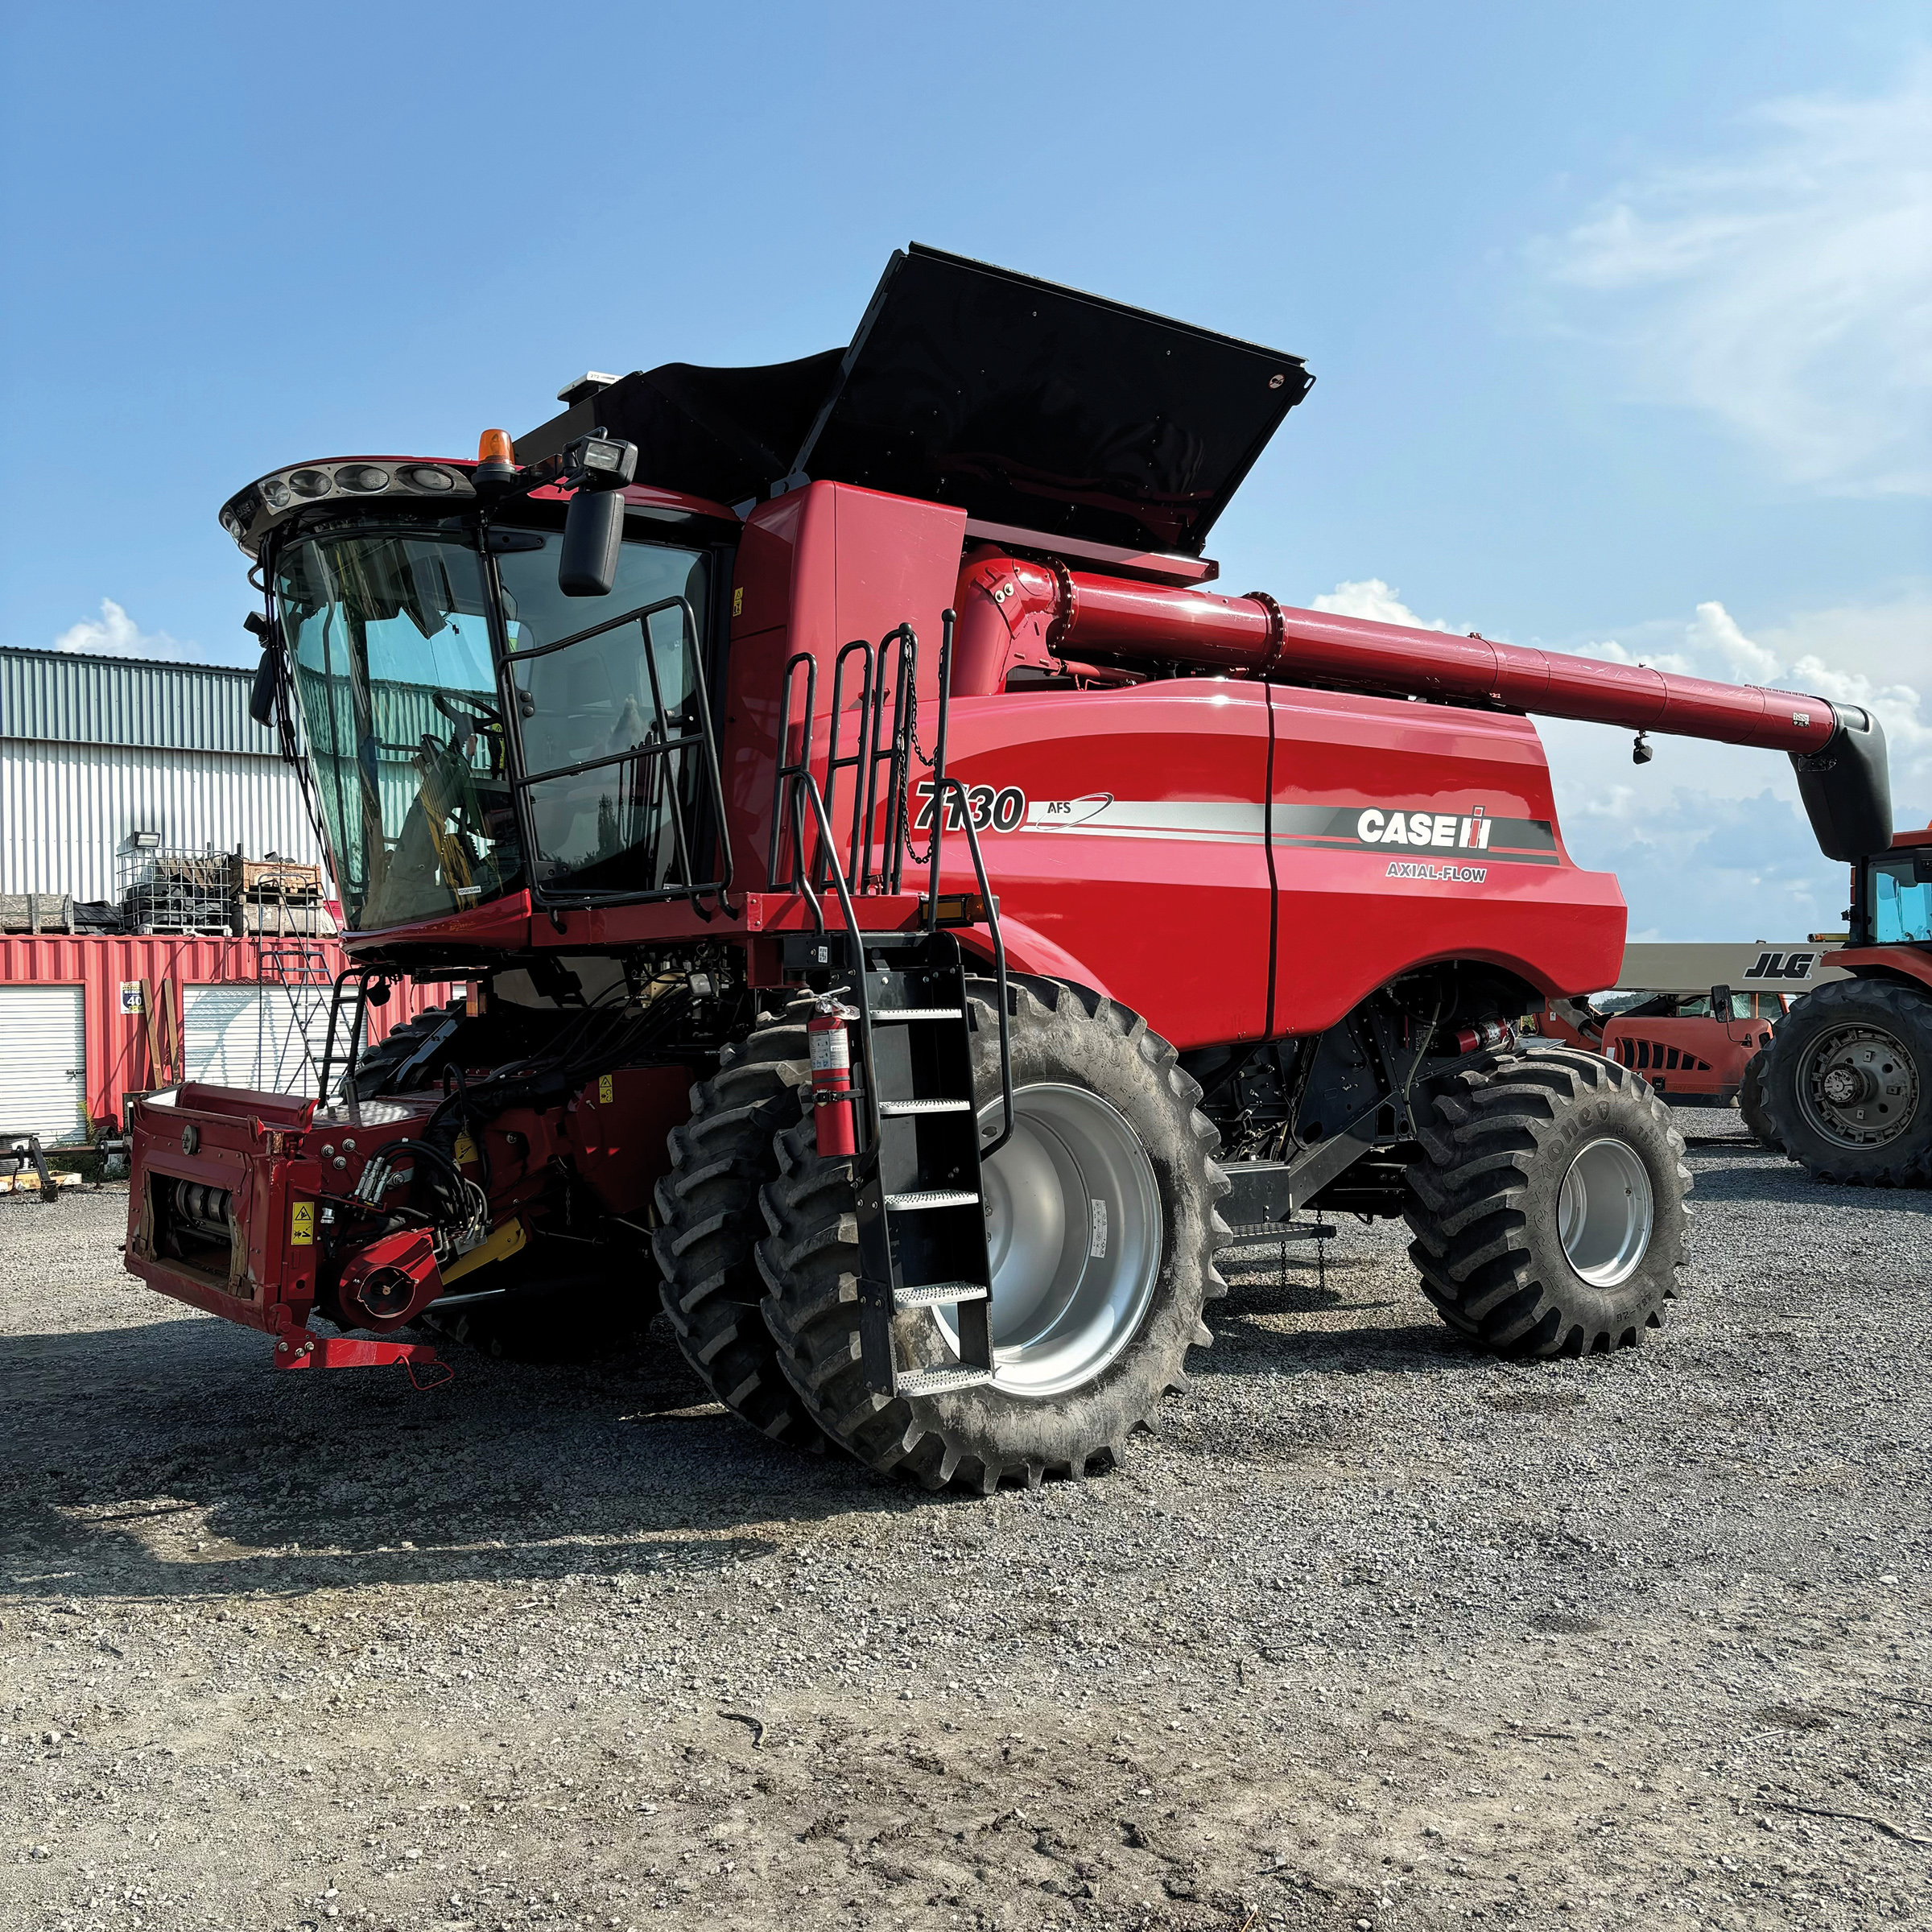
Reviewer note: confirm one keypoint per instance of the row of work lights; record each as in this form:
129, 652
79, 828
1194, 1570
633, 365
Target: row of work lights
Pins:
312, 481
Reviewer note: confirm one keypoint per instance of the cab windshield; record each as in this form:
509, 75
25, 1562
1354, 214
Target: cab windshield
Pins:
1902, 901
388, 640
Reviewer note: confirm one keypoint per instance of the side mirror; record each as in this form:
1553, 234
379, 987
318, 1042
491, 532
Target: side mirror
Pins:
261, 696
1720, 1003
1922, 869
593, 532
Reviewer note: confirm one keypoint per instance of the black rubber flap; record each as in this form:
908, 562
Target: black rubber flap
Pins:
1029, 404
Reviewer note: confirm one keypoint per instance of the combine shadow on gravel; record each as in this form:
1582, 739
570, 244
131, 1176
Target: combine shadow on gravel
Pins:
1261, 1287
168, 1459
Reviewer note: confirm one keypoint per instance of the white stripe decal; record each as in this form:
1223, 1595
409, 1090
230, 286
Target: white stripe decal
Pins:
1196, 819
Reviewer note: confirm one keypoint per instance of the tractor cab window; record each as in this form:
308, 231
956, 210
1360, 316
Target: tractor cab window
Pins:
1902, 901
592, 711
388, 642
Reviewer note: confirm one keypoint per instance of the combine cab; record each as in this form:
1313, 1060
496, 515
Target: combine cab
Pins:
894, 897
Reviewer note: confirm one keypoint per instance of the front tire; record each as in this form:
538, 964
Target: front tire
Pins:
708, 1221
1084, 1350
1549, 1211
1848, 1083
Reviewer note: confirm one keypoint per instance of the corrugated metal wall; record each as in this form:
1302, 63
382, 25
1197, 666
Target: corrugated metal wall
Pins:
66, 810
82, 699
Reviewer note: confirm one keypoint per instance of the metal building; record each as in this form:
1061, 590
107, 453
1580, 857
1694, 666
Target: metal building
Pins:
95, 750
114, 771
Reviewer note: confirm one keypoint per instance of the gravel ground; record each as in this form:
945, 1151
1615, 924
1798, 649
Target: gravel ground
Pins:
1374, 1633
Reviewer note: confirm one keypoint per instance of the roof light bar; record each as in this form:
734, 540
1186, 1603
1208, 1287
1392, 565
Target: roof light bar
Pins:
247, 515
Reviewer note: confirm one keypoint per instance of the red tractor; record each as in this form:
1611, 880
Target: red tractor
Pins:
1845, 1087
898, 902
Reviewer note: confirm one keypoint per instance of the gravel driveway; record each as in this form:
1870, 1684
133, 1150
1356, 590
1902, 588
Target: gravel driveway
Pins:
1375, 1632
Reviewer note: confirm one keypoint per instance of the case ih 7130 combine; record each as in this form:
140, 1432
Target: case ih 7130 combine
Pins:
920, 997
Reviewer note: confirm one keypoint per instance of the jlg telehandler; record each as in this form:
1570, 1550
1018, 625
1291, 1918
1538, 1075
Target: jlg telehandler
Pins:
907, 919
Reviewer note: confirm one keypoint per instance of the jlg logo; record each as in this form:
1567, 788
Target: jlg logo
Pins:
1001, 811
1782, 966
1375, 828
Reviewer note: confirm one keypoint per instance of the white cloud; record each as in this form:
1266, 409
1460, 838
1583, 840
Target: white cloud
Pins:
1787, 290
1371, 598
115, 634
1716, 630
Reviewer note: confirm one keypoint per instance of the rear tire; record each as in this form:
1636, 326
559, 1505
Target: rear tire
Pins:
707, 1211
1845, 1037
1062, 1039
1548, 1210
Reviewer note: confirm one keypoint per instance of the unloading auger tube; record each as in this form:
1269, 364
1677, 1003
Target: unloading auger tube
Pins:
1837, 750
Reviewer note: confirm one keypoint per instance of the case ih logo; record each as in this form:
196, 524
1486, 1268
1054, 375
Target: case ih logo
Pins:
1376, 827
1782, 966
1476, 828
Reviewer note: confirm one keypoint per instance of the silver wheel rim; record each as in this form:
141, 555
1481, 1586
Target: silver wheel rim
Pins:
1858, 1086
1073, 1232
1605, 1212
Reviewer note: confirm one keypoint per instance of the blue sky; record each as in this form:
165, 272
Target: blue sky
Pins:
1621, 319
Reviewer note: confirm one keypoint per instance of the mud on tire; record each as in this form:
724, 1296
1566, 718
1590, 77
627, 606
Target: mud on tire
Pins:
1485, 1202
980, 1437
707, 1211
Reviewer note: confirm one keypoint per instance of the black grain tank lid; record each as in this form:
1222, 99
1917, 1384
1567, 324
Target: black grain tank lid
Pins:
1020, 401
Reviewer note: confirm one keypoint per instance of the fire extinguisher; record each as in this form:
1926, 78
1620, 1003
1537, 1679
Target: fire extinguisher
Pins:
1485, 1033
831, 1077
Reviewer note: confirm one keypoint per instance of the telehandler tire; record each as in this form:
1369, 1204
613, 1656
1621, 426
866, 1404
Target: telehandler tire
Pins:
1848, 1083
1751, 1105
709, 1222
1103, 1234
1548, 1209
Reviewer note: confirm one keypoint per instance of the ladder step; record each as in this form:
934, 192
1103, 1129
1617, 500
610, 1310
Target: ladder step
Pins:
930, 1197
940, 1381
883, 1013
930, 1294
893, 1109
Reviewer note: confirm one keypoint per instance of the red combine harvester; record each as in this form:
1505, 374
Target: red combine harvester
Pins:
920, 997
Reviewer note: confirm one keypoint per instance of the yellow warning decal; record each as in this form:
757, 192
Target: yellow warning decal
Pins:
302, 1224
607, 1089
464, 1151
738, 601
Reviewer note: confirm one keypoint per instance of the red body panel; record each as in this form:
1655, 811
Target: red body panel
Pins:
1689, 1057
1877, 962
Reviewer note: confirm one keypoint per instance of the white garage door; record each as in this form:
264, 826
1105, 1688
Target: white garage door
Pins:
44, 1063
268, 1038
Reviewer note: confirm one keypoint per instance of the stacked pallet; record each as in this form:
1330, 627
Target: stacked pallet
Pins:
279, 897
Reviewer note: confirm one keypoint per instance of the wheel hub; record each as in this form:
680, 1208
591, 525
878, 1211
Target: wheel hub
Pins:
1605, 1212
1858, 1086
1073, 1233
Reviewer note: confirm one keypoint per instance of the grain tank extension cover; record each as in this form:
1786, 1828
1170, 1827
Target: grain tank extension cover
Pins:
1020, 402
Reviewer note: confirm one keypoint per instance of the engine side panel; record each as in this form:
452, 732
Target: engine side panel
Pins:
1137, 831
1406, 833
